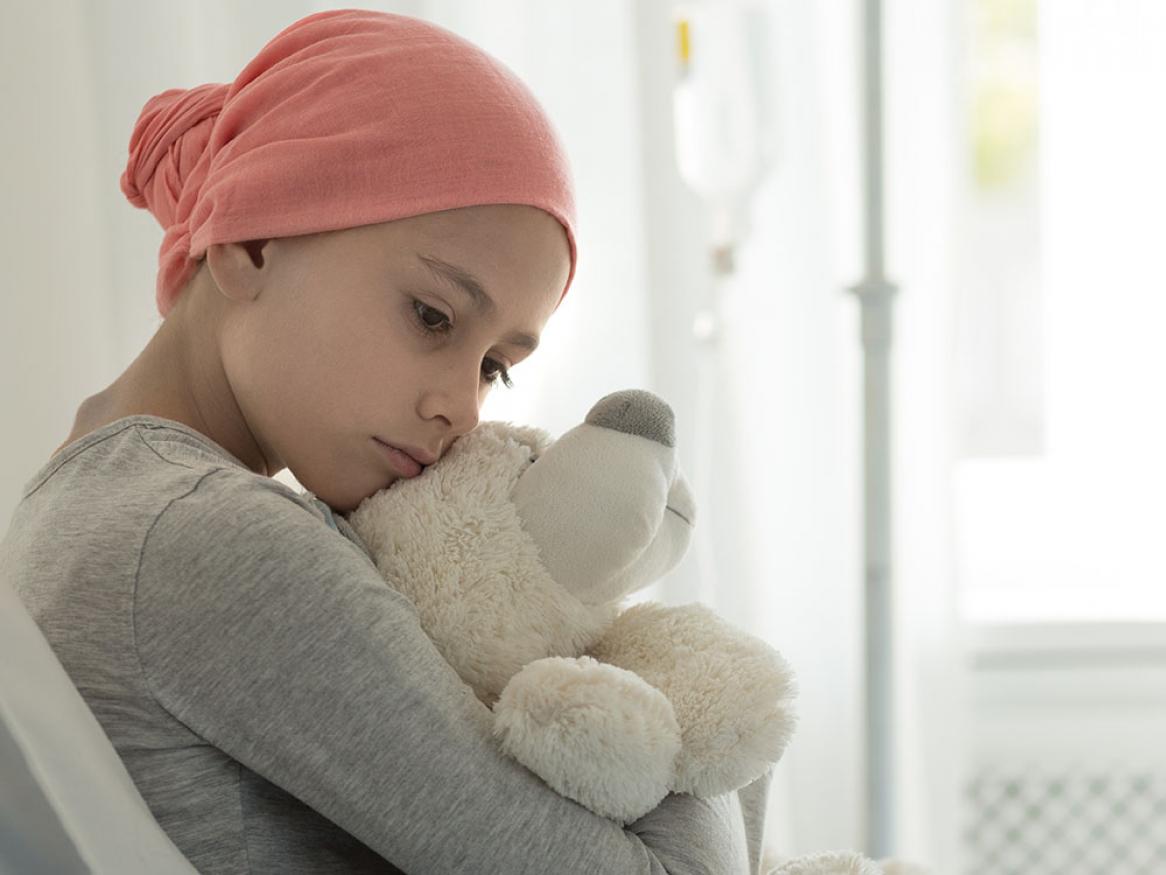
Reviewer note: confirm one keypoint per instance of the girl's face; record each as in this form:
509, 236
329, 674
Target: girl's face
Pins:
332, 340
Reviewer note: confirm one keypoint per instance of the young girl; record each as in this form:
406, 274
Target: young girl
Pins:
364, 232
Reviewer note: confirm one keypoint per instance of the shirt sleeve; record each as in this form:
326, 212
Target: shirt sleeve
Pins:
276, 640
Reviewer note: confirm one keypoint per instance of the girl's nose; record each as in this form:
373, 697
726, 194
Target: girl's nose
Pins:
456, 400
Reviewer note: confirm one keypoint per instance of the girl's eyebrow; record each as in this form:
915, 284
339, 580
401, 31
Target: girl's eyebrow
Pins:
462, 279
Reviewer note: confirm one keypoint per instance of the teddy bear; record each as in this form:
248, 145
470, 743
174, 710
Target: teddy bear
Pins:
518, 550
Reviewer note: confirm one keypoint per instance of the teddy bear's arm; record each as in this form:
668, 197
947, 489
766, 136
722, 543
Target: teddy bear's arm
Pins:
731, 692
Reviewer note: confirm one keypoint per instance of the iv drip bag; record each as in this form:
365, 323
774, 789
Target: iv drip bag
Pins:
721, 100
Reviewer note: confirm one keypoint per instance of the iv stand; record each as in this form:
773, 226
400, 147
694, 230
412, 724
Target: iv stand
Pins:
707, 332
875, 293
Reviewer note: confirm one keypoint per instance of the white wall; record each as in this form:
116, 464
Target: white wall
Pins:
57, 328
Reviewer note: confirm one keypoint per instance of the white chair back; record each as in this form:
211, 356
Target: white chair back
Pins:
67, 803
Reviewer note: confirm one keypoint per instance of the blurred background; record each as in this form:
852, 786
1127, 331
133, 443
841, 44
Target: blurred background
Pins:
719, 152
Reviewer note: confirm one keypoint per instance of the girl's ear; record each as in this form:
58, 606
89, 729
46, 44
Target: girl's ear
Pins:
239, 269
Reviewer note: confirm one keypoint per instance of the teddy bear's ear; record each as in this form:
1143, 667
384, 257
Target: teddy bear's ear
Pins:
493, 435
538, 439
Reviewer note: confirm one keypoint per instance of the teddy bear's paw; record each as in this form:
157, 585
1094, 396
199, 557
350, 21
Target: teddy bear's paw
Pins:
595, 733
830, 863
732, 693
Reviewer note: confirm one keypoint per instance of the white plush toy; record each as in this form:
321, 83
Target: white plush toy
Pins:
517, 550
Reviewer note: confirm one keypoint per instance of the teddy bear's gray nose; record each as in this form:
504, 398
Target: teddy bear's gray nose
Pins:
636, 411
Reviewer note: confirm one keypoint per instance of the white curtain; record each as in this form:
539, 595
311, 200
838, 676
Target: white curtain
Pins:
787, 530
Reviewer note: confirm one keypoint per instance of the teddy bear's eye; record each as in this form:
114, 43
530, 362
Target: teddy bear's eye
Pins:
533, 457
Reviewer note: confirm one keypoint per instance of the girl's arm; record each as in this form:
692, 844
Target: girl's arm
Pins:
276, 641
730, 827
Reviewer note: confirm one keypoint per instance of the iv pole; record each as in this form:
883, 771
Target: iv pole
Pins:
714, 174
875, 293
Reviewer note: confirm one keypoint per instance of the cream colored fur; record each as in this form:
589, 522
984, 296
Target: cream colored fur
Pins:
517, 549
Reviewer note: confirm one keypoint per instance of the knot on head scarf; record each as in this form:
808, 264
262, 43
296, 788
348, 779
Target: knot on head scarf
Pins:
345, 118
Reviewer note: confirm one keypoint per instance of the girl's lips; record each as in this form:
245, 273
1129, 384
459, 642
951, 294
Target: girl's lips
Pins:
402, 462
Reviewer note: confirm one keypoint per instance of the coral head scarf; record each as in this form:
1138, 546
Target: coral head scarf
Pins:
346, 117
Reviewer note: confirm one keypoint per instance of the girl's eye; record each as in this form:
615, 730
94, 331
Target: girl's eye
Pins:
442, 326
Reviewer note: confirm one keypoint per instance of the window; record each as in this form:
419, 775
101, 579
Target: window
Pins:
1060, 328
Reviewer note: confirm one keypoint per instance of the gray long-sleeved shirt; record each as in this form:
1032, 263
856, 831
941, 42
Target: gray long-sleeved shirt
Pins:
277, 704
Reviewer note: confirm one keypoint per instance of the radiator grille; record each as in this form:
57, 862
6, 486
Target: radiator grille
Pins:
1103, 822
